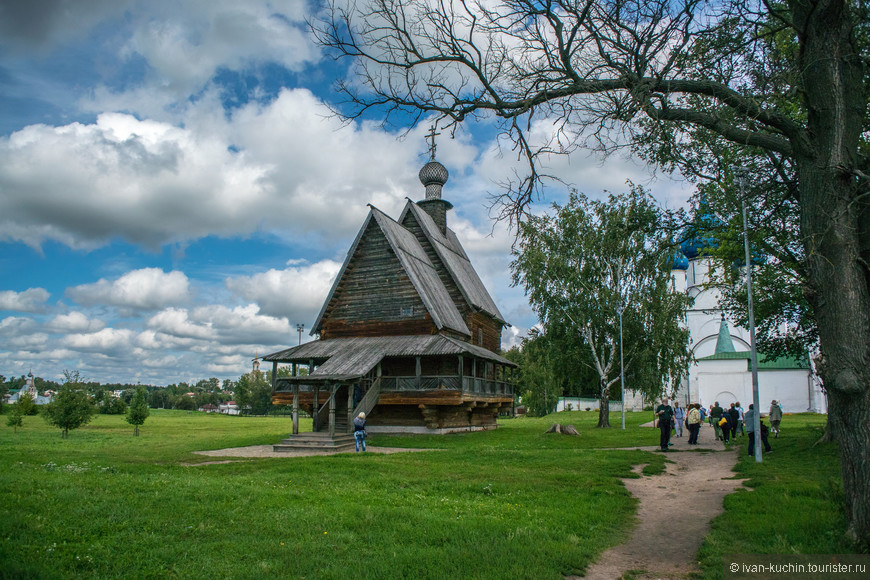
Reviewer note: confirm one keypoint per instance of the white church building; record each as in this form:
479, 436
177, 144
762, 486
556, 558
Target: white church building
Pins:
721, 371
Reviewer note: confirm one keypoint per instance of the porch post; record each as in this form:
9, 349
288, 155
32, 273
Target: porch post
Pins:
461, 381
350, 409
332, 392
315, 408
295, 409
274, 374
419, 372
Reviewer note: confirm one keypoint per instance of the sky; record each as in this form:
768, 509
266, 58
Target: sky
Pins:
176, 197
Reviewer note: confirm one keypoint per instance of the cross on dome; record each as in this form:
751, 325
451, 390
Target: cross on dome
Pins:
431, 138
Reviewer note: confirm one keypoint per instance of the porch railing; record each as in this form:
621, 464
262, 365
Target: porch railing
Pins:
393, 384
448, 383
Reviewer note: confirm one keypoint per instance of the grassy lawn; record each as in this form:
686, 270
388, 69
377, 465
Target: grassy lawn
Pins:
509, 503
795, 505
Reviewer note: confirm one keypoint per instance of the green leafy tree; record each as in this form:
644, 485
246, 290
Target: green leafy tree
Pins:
253, 393
16, 417
3, 390
138, 410
26, 405
71, 407
581, 265
160, 398
113, 405
184, 403
539, 385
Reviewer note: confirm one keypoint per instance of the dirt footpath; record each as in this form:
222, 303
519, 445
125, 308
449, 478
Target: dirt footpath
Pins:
665, 542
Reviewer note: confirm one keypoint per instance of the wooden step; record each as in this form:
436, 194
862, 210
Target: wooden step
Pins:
316, 442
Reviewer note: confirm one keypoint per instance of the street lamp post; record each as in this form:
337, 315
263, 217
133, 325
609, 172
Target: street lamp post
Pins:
620, 310
299, 329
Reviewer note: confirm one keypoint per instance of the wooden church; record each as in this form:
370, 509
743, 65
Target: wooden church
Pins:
408, 334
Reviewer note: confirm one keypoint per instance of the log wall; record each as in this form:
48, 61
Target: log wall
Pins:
375, 296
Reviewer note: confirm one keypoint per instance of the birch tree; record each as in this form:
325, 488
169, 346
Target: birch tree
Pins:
590, 259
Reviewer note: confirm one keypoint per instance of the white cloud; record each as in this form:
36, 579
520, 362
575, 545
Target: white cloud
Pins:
22, 334
213, 325
186, 43
243, 325
31, 300
296, 293
13, 325
105, 342
75, 322
151, 183
147, 182
145, 289
176, 322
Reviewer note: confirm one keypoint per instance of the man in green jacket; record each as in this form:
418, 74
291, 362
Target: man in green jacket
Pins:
716, 416
775, 417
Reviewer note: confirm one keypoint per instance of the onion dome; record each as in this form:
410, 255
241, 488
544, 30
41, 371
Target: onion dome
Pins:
696, 238
757, 259
680, 262
433, 176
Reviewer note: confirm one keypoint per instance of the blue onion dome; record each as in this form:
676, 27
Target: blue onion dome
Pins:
680, 262
757, 259
697, 238
691, 247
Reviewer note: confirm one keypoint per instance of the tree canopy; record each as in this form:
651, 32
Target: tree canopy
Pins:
594, 262
71, 407
138, 410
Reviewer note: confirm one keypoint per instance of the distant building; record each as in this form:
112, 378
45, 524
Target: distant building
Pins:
30, 388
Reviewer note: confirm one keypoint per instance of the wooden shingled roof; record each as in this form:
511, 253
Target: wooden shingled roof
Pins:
422, 273
456, 261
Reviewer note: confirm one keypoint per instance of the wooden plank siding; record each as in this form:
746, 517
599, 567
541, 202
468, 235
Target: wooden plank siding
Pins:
376, 297
485, 330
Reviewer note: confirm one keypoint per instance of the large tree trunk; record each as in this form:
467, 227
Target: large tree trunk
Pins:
604, 406
836, 235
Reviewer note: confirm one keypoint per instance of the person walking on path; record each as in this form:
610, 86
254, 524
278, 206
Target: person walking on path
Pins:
359, 431
775, 417
740, 421
725, 427
679, 417
734, 415
750, 429
694, 422
665, 414
716, 416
